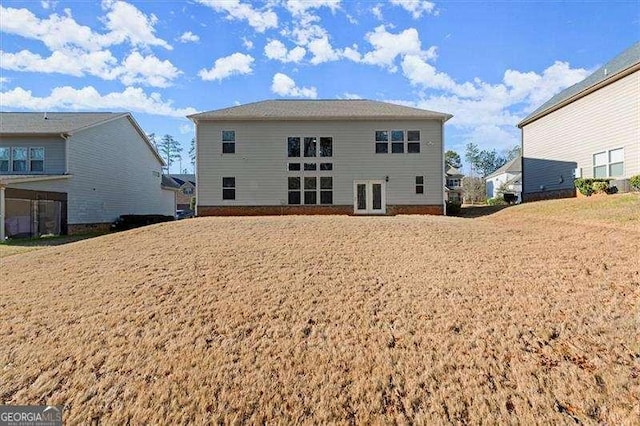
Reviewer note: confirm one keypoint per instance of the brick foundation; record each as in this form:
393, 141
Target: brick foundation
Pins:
549, 195
309, 210
87, 228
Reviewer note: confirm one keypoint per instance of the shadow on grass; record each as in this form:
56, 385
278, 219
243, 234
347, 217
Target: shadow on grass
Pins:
471, 212
48, 241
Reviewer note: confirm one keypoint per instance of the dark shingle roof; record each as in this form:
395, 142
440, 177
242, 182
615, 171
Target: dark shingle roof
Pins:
513, 166
182, 178
329, 109
168, 182
609, 71
55, 122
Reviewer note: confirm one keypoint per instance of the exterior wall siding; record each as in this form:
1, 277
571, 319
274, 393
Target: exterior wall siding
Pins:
112, 171
259, 164
54, 151
566, 139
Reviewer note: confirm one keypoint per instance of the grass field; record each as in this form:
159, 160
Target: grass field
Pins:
528, 315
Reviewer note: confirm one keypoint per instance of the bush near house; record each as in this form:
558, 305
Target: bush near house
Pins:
453, 208
192, 204
496, 201
634, 181
589, 186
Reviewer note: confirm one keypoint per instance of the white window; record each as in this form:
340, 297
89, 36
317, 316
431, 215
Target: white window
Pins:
616, 162
36, 159
608, 163
5, 156
228, 141
19, 159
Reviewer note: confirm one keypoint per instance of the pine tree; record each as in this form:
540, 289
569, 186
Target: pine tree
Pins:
170, 150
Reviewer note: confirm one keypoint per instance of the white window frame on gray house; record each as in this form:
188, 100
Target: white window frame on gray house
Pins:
227, 188
228, 138
5, 159
14, 150
604, 160
36, 159
402, 141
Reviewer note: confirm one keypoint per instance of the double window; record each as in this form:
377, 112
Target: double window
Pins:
399, 139
21, 159
228, 141
304, 190
608, 163
308, 146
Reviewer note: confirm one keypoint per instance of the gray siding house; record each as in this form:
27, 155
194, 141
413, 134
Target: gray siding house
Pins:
319, 157
591, 129
73, 172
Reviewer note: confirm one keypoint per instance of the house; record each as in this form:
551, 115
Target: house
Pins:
319, 157
506, 180
75, 172
187, 185
589, 130
453, 187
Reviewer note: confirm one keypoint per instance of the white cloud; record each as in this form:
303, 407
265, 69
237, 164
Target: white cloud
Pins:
322, 51
388, 46
189, 37
88, 98
248, 44
300, 7
186, 128
235, 64
416, 7
377, 12
147, 70
419, 72
347, 95
48, 4
135, 68
4, 80
124, 21
284, 85
276, 50
260, 20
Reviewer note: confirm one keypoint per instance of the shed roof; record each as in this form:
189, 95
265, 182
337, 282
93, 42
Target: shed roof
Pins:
512, 166
324, 109
608, 73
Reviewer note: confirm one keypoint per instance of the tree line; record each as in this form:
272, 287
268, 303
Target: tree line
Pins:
170, 150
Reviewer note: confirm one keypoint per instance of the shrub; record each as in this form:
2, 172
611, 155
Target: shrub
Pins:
453, 208
589, 186
600, 187
496, 201
634, 181
192, 204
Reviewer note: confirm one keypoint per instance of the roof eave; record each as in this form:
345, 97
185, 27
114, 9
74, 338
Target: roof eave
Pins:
615, 77
443, 117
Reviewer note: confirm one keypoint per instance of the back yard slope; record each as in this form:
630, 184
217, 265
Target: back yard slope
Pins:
327, 319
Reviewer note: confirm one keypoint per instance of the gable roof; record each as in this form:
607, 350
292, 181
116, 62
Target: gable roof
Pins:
52, 122
452, 171
167, 182
513, 166
324, 109
184, 178
64, 123
613, 70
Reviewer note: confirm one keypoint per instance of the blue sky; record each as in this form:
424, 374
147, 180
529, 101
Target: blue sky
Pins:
488, 63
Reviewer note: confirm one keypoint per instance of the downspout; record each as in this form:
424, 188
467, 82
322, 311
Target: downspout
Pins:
195, 171
2, 214
443, 177
66, 152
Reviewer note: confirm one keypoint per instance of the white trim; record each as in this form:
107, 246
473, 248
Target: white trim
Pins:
2, 214
607, 163
9, 179
369, 197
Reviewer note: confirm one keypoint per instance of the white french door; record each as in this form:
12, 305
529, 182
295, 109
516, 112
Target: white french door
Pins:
369, 197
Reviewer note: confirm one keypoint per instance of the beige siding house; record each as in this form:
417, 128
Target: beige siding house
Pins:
72, 172
319, 157
591, 129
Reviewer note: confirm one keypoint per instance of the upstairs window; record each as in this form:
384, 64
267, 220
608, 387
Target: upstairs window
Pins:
413, 141
228, 188
293, 147
419, 184
36, 159
326, 147
228, 141
382, 142
5, 156
19, 157
310, 146
397, 141
293, 167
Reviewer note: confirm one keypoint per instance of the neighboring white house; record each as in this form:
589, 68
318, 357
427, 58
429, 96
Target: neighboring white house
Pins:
73, 172
506, 180
591, 129
319, 157
453, 185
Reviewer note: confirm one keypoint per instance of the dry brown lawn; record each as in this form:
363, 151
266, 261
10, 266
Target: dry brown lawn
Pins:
530, 315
